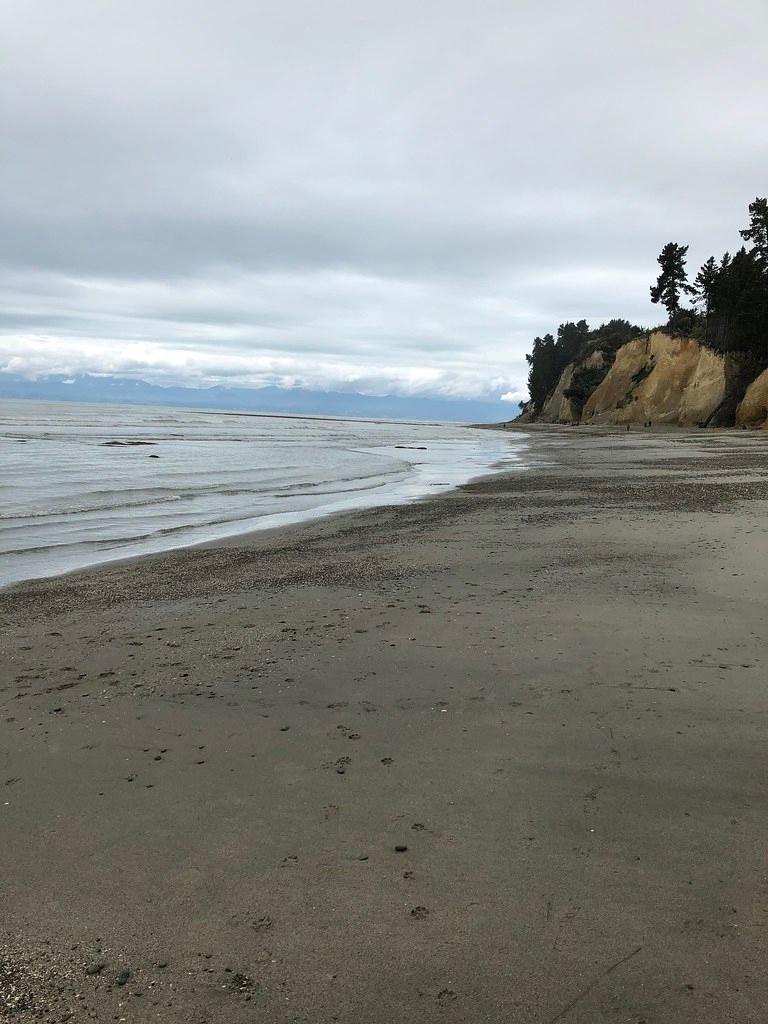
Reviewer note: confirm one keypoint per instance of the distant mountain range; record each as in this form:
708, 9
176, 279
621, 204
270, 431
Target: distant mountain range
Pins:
291, 401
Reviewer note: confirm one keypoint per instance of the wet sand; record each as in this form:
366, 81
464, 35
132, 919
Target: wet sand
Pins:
498, 756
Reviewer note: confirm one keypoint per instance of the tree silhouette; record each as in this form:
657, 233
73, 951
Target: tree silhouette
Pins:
672, 282
706, 282
757, 232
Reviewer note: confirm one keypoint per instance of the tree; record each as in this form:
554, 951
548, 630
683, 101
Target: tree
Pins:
609, 337
672, 282
757, 232
570, 340
706, 284
737, 313
542, 376
747, 294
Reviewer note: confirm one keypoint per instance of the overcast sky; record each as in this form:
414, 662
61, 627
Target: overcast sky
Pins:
391, 197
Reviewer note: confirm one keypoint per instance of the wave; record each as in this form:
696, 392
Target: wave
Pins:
74, 503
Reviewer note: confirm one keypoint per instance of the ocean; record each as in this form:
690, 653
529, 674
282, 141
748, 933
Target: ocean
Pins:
85, 484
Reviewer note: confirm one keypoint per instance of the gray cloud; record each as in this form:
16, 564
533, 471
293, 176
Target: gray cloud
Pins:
359, 194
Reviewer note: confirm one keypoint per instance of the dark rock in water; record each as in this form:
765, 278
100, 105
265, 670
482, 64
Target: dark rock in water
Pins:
154, 456
126, 444
412, 447
123, 977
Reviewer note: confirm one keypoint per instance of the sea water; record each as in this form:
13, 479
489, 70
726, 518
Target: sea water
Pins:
83, 484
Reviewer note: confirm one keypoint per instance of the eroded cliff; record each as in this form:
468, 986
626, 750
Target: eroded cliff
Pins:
753, 408
563, 405
662, 378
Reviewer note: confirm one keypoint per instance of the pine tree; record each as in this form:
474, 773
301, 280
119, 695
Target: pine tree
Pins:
706, 283
570, 340
757, 232
542, 376
672, 282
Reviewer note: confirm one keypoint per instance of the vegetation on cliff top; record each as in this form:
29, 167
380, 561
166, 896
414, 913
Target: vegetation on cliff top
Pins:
730, 314
550, 356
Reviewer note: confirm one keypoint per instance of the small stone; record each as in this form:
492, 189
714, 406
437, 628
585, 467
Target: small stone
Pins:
122, 977
95, 968
400, 848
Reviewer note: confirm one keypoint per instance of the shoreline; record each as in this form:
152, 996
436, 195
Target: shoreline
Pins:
417, 478
546, 685
250, 536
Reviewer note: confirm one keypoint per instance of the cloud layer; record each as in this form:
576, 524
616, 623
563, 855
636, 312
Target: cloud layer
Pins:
359, 195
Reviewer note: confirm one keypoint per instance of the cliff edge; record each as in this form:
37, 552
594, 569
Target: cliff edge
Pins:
662, 378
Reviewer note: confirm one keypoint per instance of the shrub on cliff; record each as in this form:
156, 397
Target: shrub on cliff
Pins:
585, 380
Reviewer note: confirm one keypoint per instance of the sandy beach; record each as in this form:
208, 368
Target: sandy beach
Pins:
498, 756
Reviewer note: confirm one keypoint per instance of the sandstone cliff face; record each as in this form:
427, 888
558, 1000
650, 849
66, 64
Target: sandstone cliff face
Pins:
660, 378
753, 408
558, 408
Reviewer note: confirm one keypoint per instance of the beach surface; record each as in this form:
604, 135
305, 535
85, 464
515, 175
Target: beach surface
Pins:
495, 756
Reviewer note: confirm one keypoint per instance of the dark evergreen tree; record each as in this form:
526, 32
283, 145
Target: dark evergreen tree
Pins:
747, 302
570, 339
706, 283
757, 232
612, 335
672, 282
543, 369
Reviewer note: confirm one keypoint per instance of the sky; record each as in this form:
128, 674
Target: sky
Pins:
384, 197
